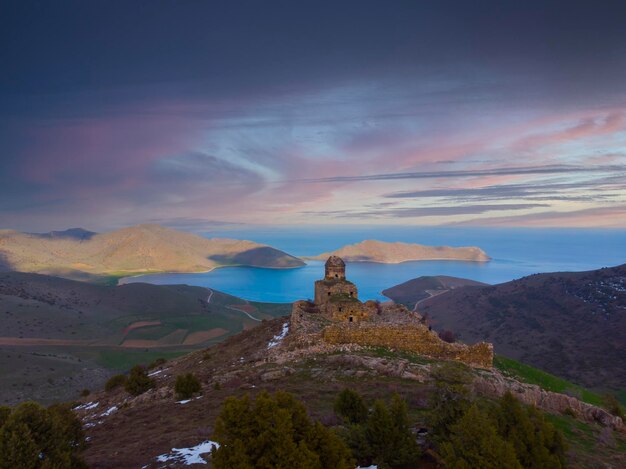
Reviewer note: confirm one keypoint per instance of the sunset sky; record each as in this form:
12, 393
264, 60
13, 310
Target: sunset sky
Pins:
199, 114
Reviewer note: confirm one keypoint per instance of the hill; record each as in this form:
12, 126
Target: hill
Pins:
572, 324
266, 358
392, 253
80, 254
59, 336
418, 289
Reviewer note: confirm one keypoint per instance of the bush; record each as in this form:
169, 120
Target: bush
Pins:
114, 382
186, 386
138, 381
350, 406
85, 392
274, 432
34, 437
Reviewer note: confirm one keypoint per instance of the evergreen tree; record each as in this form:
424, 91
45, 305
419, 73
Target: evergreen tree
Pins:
536, 442
350, 405
385, 439
33, 436
274, 432
450, 400
186, 386
138, 381
474, 443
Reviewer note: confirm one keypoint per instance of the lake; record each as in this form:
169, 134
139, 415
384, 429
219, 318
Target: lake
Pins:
515, 252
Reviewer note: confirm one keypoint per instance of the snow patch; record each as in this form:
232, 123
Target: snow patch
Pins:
183, 402
277, 339
87, 406
109, 411
191, 455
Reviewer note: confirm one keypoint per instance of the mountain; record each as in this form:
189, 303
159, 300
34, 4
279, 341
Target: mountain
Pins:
59, 336
414, 291
572, 324
127, 431
392, 253
79, 253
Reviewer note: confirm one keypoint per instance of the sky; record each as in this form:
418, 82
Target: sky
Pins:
204, 114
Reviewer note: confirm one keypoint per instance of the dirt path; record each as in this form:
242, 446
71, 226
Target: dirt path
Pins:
208, 300
234, 308
431, 293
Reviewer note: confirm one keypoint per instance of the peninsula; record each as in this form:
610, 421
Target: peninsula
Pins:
82, 254
393, 253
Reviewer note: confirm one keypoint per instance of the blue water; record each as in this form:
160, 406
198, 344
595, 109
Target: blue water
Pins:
515, 253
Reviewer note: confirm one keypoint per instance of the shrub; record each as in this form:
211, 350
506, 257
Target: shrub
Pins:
85, 392
186, 386
350, 406
217, 386
138, 381
274, 431
34, 437
114, 382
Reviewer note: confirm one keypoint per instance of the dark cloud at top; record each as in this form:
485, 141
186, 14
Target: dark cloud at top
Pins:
234, 47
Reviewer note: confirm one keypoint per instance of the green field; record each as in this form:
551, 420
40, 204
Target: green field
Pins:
549, 382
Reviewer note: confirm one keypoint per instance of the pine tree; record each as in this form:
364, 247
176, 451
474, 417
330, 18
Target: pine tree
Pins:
350, 405
17, 448
274, 432
474, 443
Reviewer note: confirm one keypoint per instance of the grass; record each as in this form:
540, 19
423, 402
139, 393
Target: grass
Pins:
547, 381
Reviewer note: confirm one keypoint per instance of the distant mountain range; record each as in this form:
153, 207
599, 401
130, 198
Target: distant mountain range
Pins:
572, 324
392, 253
139, 249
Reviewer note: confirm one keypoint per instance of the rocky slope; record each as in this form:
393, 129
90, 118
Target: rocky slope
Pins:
143, 248
572, 324
126, 431
393, 253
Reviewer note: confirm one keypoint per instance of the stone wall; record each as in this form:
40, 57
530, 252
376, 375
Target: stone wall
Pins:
414, 338
325, 290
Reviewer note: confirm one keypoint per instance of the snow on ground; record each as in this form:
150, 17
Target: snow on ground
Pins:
185, 401
279, 338
109, 411
154, 373
189, 456
87, 406
368, 467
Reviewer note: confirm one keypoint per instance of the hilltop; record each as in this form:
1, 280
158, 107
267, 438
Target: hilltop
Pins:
60, 336
572, 324
127, 431
393, 253
82, 254
418, 289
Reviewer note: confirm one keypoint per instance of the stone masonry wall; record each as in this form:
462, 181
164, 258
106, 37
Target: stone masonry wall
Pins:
414, 338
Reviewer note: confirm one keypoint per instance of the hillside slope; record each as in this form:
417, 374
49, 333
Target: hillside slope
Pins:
418, 289
264, 359
58, 336
392, 253
572, 324
142, 248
